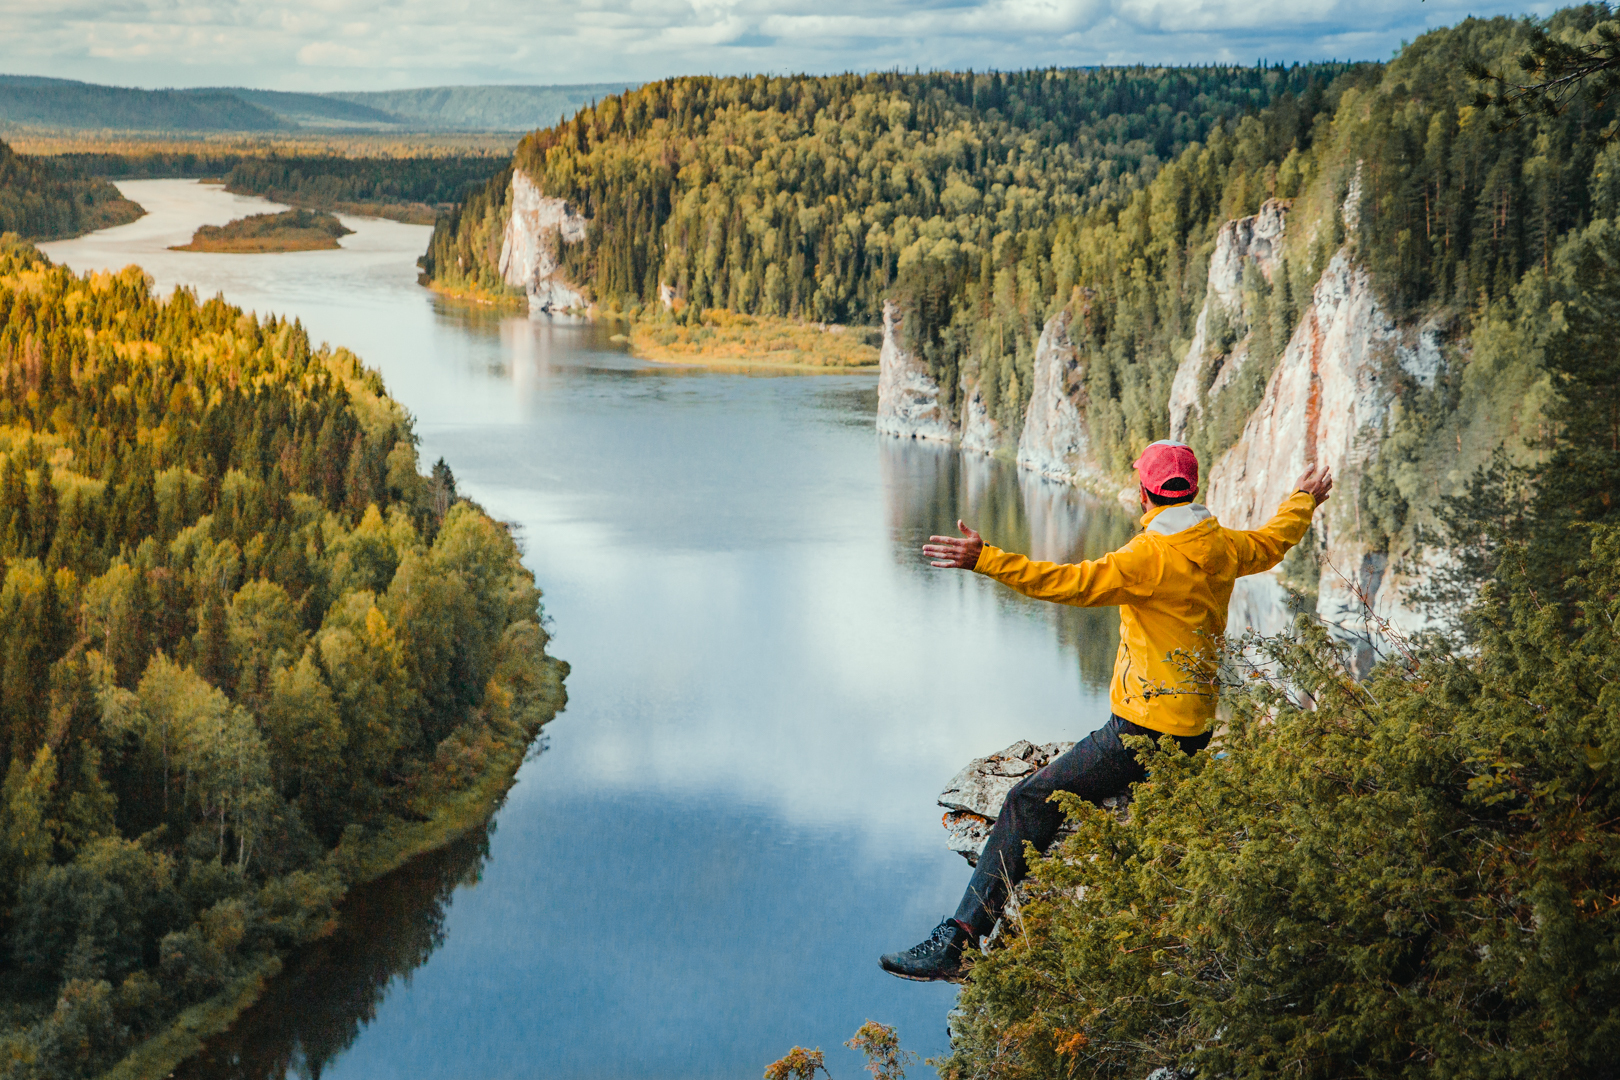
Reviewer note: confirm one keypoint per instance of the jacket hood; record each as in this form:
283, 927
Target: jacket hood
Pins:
1193, 531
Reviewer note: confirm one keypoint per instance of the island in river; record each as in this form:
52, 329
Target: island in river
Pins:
290, 230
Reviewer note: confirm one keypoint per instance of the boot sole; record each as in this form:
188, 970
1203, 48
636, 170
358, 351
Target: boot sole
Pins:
924, 978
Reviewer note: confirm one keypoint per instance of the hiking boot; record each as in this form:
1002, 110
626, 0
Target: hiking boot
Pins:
940, 957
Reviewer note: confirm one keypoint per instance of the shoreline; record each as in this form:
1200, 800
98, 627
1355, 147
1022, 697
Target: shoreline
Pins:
158, 1056
709, 360
251, 246
732, 341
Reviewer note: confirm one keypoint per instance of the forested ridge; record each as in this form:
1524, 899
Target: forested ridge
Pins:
810, 196
43, 201
980, 202
984, 203
246, 652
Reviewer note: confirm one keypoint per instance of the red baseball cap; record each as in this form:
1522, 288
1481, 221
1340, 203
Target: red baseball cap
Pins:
1164, 461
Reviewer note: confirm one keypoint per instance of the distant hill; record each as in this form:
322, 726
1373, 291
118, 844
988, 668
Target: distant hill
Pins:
64, 103
35, 101
485, 108
313, 110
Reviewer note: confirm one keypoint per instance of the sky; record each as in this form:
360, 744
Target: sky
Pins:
320, 45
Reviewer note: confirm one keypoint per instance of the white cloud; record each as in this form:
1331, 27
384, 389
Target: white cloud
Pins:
330, 54
361, 44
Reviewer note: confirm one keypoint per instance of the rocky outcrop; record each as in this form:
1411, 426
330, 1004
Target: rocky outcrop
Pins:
981, 433
1056, 442
1209, 365
1330, 398
908, 397
1329, 401
535, 232
973, 798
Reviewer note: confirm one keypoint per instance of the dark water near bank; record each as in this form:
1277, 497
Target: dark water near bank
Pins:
735, 814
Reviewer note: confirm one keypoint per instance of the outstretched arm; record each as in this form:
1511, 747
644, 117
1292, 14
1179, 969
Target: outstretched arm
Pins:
1114, 579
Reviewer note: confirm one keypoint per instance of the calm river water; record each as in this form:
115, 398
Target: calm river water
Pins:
735, 815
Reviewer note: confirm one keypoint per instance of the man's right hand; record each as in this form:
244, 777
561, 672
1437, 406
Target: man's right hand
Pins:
950, 553
1317, 482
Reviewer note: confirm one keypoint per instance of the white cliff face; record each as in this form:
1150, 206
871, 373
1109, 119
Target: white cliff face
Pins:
980, 432
538, 227
1056, 442
1328, 402
1257, 240
908, 397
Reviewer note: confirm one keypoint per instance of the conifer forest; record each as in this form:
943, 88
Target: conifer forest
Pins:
245, 647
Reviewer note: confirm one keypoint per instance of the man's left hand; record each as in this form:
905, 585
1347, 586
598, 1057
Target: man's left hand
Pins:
952, 553
1317, 482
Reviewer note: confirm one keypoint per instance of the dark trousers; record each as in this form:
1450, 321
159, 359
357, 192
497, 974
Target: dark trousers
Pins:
1095, 768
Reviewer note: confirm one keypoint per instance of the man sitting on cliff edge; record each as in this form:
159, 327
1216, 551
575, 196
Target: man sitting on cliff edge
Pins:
1172, 584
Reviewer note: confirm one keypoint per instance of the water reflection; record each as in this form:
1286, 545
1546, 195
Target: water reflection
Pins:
926, 487
316, 1008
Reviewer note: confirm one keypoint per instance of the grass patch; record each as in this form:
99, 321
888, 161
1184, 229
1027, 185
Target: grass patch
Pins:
158, 1056
509, 299
727, 338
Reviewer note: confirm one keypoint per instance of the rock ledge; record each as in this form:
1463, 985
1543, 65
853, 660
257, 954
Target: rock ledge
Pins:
973, 798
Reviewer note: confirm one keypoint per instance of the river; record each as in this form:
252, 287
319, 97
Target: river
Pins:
699, 865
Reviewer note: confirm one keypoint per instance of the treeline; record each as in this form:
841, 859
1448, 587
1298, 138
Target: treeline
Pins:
808, 197
330, 182
315, 181
43, 201
150, 164
243, 644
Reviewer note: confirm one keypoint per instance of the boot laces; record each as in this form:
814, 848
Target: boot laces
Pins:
941, 938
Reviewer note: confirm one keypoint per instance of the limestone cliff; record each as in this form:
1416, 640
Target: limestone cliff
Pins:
1330, 398
536, 229
1056, 442
1328, 401
908, 397
1210, 362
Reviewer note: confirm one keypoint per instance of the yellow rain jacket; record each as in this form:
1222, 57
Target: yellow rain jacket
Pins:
1172, 584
